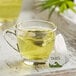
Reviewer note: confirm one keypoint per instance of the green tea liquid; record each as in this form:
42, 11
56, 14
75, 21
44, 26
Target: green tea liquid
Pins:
9, 9
36, 44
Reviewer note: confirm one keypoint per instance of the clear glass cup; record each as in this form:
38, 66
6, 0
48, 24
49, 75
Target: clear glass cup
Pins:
9, 11
35, 40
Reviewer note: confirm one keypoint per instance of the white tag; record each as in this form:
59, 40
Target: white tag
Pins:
57, 59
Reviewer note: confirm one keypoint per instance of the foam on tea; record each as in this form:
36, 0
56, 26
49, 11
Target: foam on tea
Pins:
36, 44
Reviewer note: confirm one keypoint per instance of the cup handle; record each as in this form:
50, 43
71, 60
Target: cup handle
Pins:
10, 32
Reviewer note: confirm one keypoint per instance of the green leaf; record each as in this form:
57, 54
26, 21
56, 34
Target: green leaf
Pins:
51, 11
48, 4
56, 65
62, 4
62, 8
71, 6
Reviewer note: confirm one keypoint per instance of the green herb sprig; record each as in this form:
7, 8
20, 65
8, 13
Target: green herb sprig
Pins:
61, 4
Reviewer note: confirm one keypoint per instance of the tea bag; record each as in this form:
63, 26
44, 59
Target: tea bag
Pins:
59, 57
39, 35
57, 60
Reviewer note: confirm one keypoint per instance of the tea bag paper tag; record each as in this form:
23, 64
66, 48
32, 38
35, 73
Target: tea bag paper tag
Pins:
57, 60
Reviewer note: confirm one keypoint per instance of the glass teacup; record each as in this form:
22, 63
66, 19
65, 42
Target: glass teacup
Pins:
35, 40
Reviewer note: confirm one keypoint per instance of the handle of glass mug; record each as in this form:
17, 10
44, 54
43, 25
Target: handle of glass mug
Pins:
13, 33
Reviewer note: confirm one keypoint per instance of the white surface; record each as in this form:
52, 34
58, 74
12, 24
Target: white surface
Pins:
75, 1
7, 54
70, 15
